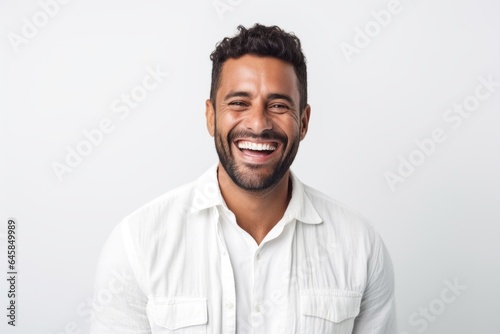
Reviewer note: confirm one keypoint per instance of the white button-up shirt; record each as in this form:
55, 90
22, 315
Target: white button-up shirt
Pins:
181, 264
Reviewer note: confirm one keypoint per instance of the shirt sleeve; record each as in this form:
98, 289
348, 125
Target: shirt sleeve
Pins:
378, 310
119, 303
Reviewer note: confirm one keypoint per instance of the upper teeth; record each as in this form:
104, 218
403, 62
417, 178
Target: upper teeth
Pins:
256, 147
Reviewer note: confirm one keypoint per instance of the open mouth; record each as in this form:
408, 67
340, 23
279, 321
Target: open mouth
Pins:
261, 149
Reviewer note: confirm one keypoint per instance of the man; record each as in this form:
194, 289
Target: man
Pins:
248, 248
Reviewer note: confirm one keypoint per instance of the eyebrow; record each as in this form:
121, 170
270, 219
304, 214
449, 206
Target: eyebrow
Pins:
272, 96
237, 93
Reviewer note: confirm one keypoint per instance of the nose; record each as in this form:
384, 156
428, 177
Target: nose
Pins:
258, 119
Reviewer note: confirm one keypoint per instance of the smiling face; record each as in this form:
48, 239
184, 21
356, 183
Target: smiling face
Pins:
256, 121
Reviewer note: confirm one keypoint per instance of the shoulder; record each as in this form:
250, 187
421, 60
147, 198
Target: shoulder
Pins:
341, 222
181, 201
345, 241
175, 199
154, 228
167, 215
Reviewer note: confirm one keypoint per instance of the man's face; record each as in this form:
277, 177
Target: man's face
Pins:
256, 122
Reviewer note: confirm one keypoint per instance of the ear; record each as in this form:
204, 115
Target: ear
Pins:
210, 117
304, 121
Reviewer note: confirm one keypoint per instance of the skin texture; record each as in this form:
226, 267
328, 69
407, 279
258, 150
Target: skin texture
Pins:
257, 101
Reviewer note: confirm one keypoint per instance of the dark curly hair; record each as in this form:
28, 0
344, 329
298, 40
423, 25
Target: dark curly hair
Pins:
262, 41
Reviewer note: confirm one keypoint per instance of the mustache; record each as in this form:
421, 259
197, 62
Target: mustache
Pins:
265, 135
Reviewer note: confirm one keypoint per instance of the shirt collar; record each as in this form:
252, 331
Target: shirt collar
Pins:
300, 206
207, 194
206, 191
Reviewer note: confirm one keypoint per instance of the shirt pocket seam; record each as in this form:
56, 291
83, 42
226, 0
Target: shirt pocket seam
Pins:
332, 305
178, 312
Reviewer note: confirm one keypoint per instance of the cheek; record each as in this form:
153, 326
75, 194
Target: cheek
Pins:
227, 120
289, 126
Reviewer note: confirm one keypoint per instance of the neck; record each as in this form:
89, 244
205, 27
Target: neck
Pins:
256, 212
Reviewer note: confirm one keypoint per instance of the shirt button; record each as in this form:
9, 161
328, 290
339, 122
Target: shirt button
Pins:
257, 308
257, 256
229, 304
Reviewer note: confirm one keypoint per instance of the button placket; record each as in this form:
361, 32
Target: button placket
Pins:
228, 286
257, 297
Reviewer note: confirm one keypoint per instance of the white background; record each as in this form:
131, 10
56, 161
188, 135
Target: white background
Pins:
440, 224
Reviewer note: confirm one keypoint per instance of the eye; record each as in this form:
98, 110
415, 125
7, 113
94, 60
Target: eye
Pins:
238, 105
279, 107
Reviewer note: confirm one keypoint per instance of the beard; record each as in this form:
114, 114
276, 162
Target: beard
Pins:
255, 177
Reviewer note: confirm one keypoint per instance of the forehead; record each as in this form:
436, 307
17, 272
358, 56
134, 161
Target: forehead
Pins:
257, 74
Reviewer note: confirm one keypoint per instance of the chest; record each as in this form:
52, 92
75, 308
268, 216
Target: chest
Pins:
303, 284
